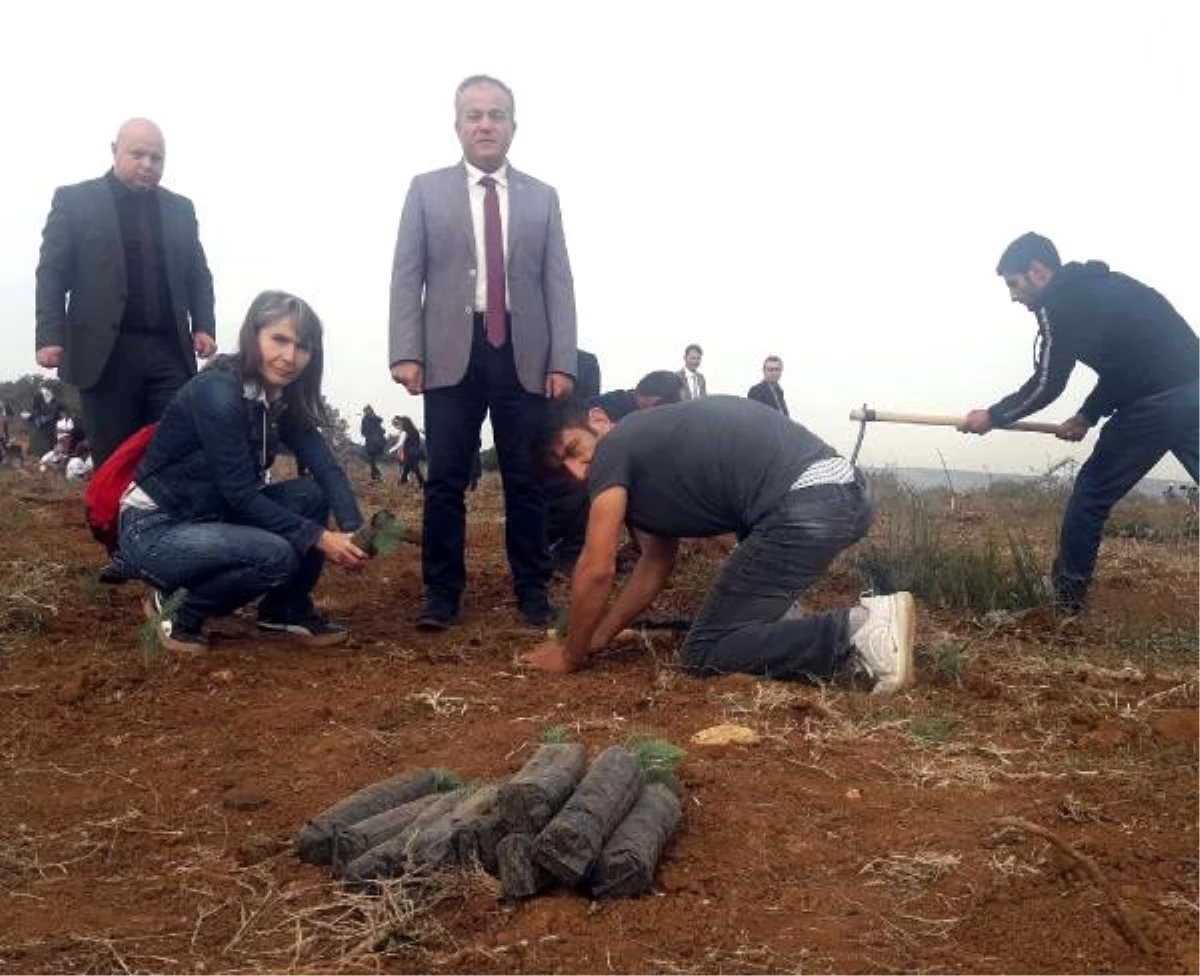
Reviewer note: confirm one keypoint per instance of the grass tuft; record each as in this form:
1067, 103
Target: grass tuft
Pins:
659, 758
556, 735
916, 553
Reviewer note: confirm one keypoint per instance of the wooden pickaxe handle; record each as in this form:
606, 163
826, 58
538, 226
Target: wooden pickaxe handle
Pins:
942, 420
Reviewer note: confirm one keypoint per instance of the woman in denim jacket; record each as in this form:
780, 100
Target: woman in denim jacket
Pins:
200, 515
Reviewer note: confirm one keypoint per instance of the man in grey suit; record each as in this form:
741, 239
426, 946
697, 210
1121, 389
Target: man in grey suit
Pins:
690, 376
482, 321
124, 294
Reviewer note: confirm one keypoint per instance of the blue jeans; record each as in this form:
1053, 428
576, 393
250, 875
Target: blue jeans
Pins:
741, 626
1137, 437
223, 565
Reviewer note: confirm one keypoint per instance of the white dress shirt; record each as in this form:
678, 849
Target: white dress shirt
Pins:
476, 194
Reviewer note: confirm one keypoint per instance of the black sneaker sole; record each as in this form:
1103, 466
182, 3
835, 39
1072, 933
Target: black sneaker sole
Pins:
434, 625
302, 636
538, 619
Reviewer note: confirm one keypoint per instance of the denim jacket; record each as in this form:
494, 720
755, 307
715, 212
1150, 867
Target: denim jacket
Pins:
212, 448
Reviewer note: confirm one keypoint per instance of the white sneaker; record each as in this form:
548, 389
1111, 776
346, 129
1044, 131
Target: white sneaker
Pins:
884, 644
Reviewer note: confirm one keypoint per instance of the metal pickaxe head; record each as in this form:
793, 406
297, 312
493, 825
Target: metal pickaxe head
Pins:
867, 416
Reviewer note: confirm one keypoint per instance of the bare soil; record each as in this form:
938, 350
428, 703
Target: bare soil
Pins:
148, 802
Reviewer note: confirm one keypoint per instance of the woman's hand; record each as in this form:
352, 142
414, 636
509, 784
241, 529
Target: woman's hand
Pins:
339, 548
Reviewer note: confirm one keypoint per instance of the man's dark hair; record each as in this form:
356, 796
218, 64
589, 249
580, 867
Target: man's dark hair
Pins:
558, 416
1026, 249
692, 347
484, 80
616, 404
663, 384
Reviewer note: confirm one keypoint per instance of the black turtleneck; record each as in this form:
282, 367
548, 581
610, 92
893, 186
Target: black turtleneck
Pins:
148, 295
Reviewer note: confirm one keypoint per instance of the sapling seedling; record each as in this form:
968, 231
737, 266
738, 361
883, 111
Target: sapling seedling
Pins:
380, 534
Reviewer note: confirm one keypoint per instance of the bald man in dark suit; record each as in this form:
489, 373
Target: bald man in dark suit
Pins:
124, 294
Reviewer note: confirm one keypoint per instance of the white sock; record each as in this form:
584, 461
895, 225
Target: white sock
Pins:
858, 617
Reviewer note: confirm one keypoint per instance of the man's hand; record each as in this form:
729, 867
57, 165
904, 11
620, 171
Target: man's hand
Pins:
203, 344
1074, 428
339, 548
559, 386
410, 375
551, 656
50, 357
976, 422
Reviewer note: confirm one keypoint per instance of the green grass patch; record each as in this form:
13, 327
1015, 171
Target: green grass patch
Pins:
980, 575
935, 726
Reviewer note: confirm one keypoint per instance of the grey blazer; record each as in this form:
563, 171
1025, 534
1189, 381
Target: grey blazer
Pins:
81, 278
433, 280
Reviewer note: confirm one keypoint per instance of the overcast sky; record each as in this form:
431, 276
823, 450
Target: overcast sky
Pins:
830, 183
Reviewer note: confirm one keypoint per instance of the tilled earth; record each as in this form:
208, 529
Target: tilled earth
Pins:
1031, 806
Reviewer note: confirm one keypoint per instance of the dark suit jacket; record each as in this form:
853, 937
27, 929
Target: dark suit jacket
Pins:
687, 390
433, 280
763, 394
82, 281
587, 376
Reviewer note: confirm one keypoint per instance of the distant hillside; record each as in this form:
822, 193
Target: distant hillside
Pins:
967, 481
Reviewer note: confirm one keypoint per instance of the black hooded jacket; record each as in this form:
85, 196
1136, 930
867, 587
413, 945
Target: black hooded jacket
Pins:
1125, 331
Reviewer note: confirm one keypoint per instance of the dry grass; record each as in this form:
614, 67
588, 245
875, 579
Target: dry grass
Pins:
263, 925
743, 956
440, 703
908, 870
30, 591
331, 929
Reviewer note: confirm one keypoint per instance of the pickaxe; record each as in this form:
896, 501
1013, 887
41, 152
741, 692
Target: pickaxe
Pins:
866, 415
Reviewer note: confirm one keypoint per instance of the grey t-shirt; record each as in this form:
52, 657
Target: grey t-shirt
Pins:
703, 467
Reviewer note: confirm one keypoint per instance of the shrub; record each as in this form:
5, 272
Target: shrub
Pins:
976, 574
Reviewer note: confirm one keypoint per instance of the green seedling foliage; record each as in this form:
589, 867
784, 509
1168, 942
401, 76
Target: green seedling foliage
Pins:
148, 635
379, 535
447, 779
556, 735
948, 663
659, 758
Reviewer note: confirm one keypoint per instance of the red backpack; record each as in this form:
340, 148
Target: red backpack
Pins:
102, 499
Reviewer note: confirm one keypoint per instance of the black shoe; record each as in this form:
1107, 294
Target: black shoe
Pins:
536, 609
115, 572
314, 630
436, 617
1070, 596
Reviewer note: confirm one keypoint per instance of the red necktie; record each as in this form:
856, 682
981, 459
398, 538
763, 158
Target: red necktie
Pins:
493, 244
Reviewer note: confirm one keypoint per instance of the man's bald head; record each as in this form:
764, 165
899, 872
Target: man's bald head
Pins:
139, 152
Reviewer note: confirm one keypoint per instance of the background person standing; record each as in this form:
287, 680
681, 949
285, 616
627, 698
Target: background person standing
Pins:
124, 294
769, 393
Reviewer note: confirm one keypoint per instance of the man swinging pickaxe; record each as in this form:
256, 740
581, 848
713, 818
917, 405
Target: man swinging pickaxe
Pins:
866, 415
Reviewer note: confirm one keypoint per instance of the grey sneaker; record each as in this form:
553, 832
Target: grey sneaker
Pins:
883, 645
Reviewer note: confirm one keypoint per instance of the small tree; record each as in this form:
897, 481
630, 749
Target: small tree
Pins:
19, 393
